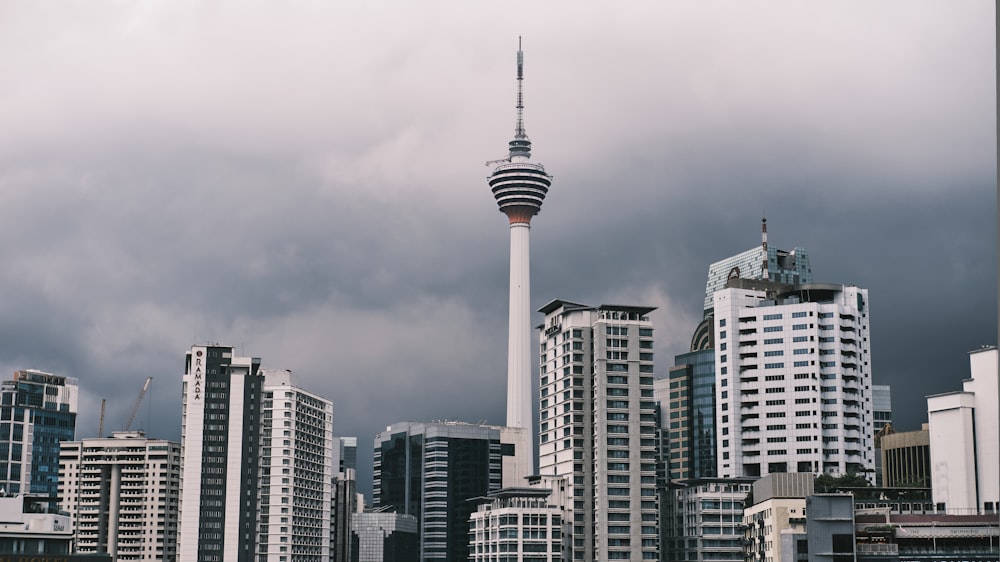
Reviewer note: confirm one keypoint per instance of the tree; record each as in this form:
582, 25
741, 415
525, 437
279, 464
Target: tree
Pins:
826, 483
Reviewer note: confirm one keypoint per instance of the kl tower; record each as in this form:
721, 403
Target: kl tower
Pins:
519, 186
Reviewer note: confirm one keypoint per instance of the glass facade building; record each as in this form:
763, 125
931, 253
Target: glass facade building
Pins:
783, 266
37, 413
691, 416
431, 471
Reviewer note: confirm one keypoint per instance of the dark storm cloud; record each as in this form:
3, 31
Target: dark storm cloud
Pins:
306, 183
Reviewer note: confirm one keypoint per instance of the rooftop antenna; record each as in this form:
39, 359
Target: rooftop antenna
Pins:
763, 243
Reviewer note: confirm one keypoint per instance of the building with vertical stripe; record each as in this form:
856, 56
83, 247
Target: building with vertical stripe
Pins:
121, 494
257, 472
598, 426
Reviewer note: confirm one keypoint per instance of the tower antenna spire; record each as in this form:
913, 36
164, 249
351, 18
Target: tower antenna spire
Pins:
520, 146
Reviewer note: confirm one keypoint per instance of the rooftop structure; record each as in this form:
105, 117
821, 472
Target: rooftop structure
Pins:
782, 266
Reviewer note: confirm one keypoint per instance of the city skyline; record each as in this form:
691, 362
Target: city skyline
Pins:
314, 195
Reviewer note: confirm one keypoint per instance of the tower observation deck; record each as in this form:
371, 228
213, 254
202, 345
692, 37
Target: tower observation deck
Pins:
518, 184
519, 187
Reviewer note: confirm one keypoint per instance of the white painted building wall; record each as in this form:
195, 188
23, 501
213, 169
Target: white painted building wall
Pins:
793, 381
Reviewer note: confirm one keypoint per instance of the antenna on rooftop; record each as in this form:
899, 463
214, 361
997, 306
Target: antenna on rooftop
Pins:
763, 243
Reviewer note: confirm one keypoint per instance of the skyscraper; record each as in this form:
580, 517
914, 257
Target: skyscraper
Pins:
121, 493
39, 412
220, 452
793, 379
257, 473
519, 186
597, 425
432, 470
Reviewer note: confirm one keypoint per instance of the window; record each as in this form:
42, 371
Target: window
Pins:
799, 326
773, 341
772, 328
799, 314
772, 317
774, 353
774, 365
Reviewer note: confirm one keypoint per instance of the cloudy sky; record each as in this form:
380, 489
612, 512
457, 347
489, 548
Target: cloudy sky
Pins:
306, 181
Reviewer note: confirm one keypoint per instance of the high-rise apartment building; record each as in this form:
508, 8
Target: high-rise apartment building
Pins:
964, 431
432, 470
121, 493
221, 424
598, 425
296, 472
38, 411
793, 379
257, 469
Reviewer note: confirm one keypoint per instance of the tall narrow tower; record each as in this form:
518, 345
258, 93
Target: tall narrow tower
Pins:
519, 186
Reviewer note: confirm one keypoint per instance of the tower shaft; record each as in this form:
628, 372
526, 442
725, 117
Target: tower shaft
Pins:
519, 403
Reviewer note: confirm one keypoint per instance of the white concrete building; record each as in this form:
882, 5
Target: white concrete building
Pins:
964, 430
28, 532
597, 425
516, 525
793, 372
297, 472
121, 493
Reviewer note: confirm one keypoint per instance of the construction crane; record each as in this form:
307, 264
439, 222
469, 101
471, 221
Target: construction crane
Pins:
100, 425
138, 402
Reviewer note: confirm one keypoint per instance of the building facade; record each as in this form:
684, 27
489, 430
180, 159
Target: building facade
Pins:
432, 470
598, 425
221, 427
384, 537
793, 379
689, 416
38, 412
964, 431
906, 459
783, 266
296, 472
516, 525
704, 519
779, 507
121, 494
257, 463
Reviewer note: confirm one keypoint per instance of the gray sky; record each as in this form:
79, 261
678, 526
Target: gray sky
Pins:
305, 181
